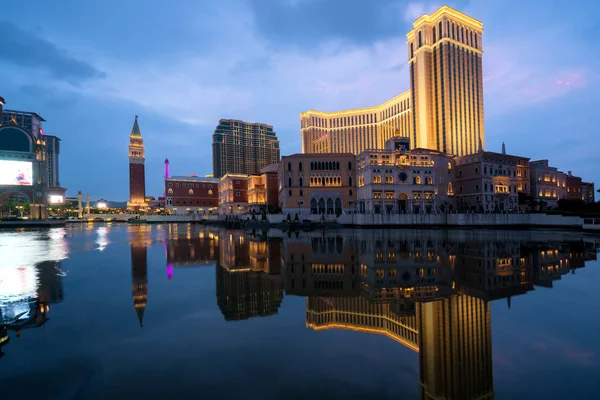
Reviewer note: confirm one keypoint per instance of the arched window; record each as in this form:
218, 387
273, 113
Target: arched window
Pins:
434, 37
289, 166
290, 181
290, 192
300, 166
323, 181
210, 192
190, 192
300, 181
440, 30
420, 40
411, 56
170, 191
337, 165
349, 164
349, 181
301, 192
418, 180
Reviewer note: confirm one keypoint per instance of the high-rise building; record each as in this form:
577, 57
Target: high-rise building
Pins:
53, 151
443, 110
243, 147
137, 175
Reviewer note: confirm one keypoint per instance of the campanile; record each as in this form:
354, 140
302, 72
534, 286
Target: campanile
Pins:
137, 176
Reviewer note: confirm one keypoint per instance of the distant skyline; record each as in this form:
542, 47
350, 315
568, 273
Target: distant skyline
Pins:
183, 67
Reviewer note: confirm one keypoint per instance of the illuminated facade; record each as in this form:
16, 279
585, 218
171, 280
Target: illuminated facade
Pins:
487, 181
24, 155
548, 185
191, 195
588, 192
243, 147
396, 181
353, 131
233, 194
262, 189
137, 173
317, 183
443, 110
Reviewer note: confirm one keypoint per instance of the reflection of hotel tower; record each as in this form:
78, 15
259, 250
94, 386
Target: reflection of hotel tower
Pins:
248, 276
450, 326
139, 240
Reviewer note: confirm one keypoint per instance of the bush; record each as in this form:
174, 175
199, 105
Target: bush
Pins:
289, 218
296, 217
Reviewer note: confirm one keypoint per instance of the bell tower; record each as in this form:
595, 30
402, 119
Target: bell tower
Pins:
137, 175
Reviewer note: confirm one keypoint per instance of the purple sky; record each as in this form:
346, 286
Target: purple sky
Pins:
89, 67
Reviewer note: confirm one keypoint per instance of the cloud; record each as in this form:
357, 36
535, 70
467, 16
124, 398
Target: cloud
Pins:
23, 49
414, 10
250, 79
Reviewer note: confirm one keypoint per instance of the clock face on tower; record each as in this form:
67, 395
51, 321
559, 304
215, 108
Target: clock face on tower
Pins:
402, 176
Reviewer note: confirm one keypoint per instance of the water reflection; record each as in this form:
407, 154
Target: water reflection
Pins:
30, 279
429, 291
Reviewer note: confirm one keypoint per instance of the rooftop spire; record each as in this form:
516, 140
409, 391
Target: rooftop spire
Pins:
503, 148
140, 313
480, 149
135, 131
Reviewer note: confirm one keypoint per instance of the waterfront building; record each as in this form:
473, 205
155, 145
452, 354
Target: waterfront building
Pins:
23, 160
317, 183
574, 187
487, 181
442, 110
263, 193
137, 173
400, 181
233, 194
588, 192
191, 195
243, 147
547, 184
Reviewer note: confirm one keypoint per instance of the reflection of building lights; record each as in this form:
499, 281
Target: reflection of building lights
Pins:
170, 271
102, 240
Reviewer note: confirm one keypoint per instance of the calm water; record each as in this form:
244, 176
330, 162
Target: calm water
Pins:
184, 311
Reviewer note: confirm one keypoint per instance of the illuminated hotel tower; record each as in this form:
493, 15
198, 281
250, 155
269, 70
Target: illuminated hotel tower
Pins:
444, 56
443, 110
137, 176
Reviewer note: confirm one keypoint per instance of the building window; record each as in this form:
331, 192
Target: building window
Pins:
290, 192
210, 192
289, 166
349, 164
177, 185
301, 192
190, 192
170, 184
420, 40
170, 191
349, 181
300, 166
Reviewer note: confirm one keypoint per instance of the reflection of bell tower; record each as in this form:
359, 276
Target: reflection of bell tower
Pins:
137, 175
139, 273
455, 349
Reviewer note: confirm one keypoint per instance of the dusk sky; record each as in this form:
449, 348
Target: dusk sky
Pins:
89, 67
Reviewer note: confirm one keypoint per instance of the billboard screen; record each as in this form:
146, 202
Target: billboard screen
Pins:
56, 199
17, 173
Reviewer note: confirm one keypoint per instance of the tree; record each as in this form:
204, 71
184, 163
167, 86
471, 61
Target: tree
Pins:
296, 217
289, 217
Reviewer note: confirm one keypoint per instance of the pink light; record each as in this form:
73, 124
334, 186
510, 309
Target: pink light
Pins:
170, 271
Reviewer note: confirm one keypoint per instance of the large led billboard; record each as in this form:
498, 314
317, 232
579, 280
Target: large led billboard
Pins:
57, 199
17, 173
